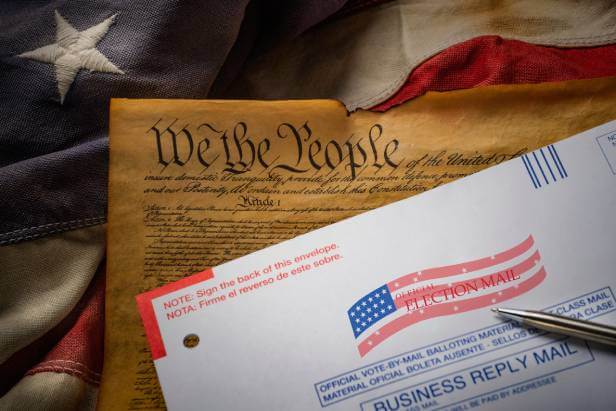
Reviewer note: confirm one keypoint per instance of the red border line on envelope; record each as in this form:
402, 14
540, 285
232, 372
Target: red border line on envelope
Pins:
146, 309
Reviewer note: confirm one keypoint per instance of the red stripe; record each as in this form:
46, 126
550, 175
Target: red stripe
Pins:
489, 60
74, 346
414, 317
146, 310
456, 269
517, 269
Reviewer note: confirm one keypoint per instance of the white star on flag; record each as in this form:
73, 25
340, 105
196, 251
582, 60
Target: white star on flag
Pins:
74, 50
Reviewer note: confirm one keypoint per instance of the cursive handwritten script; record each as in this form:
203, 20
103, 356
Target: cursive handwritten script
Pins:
242, 152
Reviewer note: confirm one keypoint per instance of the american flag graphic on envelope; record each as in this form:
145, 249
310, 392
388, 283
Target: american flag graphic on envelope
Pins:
447, 290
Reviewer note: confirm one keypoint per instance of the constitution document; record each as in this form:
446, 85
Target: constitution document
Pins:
389, 310
197, 183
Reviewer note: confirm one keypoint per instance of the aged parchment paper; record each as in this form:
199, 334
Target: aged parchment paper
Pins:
196, 183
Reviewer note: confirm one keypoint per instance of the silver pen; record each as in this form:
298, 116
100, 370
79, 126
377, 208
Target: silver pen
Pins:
586, 330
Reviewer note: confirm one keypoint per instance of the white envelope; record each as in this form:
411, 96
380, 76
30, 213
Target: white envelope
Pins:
389, 310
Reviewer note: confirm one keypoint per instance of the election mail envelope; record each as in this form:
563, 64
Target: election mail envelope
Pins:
389, 310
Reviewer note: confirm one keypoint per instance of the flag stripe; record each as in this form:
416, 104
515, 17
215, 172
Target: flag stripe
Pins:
456, 269
517, 269
413, 317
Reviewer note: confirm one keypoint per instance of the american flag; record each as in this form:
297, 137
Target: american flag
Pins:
442, 291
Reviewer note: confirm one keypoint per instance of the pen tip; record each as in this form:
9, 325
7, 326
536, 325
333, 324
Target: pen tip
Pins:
494, 309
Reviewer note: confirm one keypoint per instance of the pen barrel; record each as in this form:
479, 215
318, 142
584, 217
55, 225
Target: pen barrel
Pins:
600, 333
